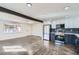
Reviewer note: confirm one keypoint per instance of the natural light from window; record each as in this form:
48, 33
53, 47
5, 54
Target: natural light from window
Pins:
16, 48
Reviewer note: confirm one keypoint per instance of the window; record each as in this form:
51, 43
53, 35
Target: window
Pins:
11, 28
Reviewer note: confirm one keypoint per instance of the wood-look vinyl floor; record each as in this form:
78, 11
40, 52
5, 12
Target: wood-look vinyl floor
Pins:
37, 47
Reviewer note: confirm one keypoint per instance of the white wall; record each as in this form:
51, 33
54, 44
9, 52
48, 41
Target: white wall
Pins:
72, 22
25, 30
1, 28
37, 29
55, 22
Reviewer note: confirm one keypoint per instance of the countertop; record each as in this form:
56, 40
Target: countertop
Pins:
69, 34
73, 34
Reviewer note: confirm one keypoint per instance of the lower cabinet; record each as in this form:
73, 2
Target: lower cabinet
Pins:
77, 42
70, 39
53, 37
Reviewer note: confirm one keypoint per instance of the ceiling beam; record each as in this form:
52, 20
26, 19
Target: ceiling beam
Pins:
2, 9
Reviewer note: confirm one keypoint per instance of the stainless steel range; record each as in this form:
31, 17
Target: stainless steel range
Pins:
59, 34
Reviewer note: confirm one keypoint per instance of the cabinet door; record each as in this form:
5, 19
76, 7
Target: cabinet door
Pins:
73, 38
70, 39
77, 43
67, 39
53, 37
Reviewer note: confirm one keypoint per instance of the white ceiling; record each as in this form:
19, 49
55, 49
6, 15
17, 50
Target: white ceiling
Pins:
44, 11
12, 19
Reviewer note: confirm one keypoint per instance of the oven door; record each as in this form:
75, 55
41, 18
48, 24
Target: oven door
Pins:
59, 37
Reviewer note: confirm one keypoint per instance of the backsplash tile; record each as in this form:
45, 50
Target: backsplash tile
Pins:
69, 30
72, 30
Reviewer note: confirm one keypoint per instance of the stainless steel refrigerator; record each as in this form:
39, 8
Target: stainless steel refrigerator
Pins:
47, 32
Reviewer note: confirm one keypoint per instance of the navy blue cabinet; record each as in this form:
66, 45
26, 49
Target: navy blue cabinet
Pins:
77, 42
70, 39
53, 37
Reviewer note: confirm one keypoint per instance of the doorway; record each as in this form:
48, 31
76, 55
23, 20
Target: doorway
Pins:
47, 32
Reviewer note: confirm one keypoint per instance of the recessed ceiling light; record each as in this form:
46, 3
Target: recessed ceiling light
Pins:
29, 4
67, 7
